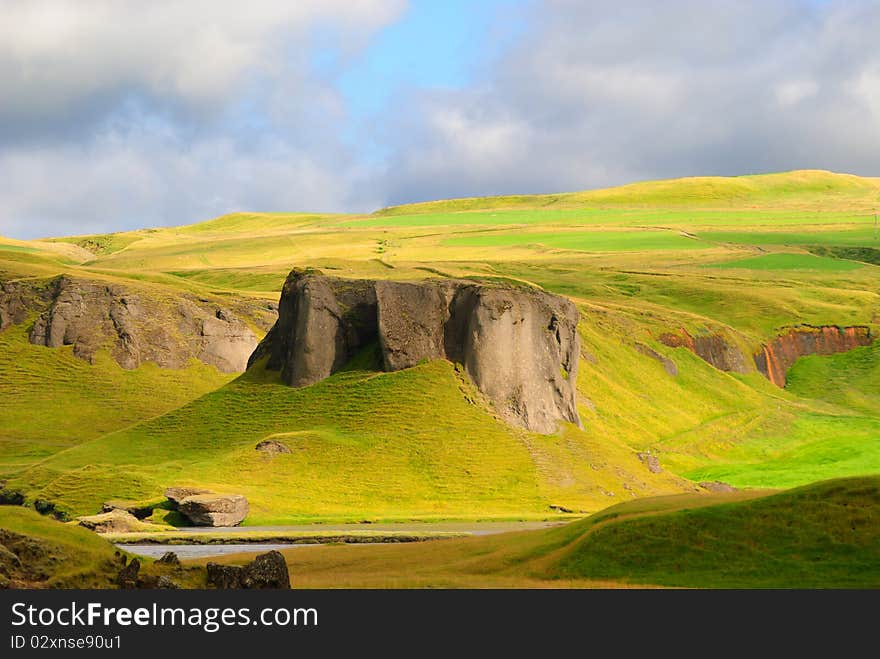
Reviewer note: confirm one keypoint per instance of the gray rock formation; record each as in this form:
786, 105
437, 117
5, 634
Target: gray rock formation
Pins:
272, 447
651, 462
519, 346
135, 324
717, 486
214, 509
267, 570
177, 494
115, 521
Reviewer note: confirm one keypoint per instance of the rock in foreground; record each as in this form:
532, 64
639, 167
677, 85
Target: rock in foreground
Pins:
265, 571
518, 345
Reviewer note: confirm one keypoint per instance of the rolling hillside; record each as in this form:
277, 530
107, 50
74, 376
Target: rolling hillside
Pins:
740, 259
820, 536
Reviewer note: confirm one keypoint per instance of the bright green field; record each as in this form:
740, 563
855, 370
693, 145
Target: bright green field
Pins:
822, 536
792, 262
588, 241
709, 255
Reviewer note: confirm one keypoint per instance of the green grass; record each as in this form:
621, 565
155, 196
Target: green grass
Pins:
409, 445
589, 241
850, 379
53, 400
68, 556
826, 535
854, 237
822, 536
426, 452
791, 262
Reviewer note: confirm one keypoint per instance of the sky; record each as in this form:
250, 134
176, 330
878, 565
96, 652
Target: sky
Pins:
122, 114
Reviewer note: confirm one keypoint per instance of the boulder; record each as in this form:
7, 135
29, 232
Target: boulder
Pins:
177, 494
717, 486
272, 447
518, 345
127, 578
156, 582
266, 571
214, 509
141, 511
168, 558
115, 521
651, 462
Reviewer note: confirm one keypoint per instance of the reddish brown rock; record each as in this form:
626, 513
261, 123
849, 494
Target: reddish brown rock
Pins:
714, 349
775, 358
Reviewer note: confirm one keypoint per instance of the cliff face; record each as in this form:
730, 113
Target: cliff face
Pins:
775, 358
135, 326
520, 347
711, 348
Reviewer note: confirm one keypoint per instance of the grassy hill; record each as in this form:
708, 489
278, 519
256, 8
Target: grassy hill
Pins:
740, 257
825, 535
52, 555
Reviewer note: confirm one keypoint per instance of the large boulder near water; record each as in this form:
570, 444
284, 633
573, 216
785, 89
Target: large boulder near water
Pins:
518, 345
214, 509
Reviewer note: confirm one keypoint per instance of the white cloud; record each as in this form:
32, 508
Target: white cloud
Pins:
54, 53
602, 93
117, 114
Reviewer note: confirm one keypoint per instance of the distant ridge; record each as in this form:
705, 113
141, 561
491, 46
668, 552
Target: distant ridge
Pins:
785, 189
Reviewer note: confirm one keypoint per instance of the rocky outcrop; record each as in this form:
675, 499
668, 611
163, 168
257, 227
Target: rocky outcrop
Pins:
775, 358
17, 301
115, 521
267, 570
714, 349
214, 509
717, 487
651, 461
135, 324
519, 346
272, 447
668, 365
177, 494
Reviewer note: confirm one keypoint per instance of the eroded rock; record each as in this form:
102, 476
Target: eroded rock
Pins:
715, 349
127, 578
775, 358
717, 486
168, 558
272, 447
114, 521
266, 571
668, 365
214, 509
134, 324
519, 346
177, 494
651, 462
